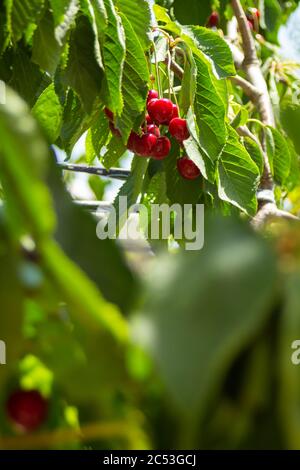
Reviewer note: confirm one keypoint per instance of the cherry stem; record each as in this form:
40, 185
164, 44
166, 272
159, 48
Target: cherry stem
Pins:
170, 83
157, 70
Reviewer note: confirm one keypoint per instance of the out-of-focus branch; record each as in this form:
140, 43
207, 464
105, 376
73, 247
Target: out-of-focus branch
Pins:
250, 90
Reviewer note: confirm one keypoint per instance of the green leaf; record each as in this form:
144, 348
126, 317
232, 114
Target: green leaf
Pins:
255, 153
23, 158
271, 13
290, 117
278, 154
113, 51
131, 189
238, 175
192, 12
12, 298
27, 78
21, 14
213, 46
210, 110
179, 189
46, 50
83, 73
188, 83
139, 15
64, 13
48, 112
114, 151
134, 84
203, 310
240, 118
293, 178
96, 138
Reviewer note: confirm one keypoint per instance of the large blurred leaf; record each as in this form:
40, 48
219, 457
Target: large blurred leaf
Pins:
23, 157
101, 260
138, 14
135, 82
11, 297
289, 391
83, 73
203, 309
238, 175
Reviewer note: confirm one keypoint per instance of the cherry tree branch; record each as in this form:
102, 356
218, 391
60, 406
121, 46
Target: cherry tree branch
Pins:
259, 95
116, 173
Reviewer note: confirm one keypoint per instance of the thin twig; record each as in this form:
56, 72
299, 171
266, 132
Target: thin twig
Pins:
116, 173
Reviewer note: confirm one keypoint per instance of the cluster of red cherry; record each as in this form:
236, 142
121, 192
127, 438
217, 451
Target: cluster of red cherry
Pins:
150, 143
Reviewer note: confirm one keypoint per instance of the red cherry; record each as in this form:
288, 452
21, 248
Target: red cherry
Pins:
114, 130
109, 114
148, 119
153, 129
187, 168
161, 149
144, 144
27, 409
153, 94
175, 111
133, 139
175, 114
178, 129
160, 110
214, 19
256, 12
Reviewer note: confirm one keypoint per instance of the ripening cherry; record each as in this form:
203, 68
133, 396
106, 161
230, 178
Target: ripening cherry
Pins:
144, 144
153, 129
160, 110
114, 130
161, 149
152, 95
214, 19
27, 409
187, 168
109, 114
178, 129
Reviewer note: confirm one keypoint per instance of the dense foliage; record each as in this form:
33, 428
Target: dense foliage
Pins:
196, 350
